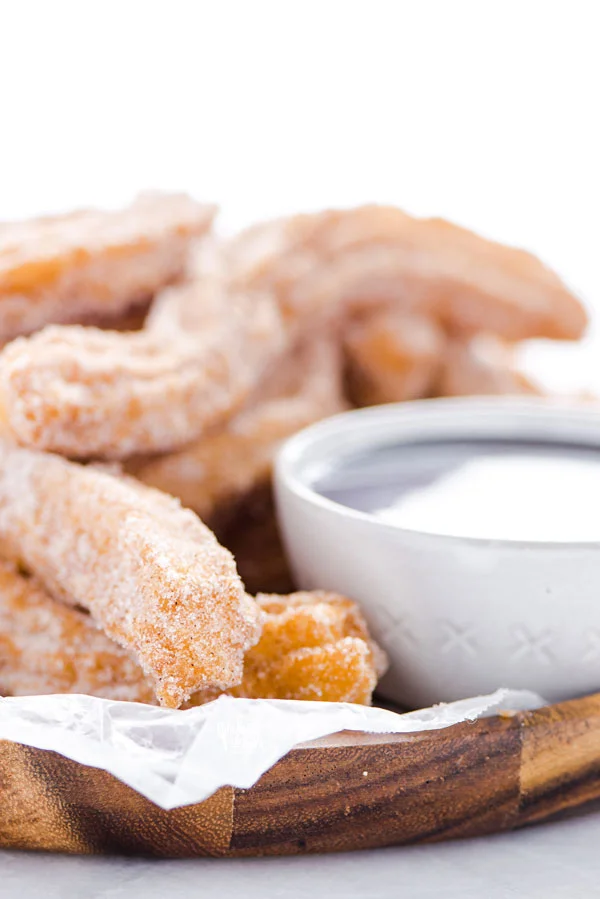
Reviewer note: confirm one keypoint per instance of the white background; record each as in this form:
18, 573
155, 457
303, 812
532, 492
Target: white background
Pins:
483, 111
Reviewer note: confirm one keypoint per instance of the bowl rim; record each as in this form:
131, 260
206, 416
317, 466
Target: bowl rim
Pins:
581, 416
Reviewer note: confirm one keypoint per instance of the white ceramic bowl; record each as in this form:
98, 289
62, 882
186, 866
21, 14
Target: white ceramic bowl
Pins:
457, 616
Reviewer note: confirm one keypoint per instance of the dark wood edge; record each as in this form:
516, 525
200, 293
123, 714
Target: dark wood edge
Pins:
346, 791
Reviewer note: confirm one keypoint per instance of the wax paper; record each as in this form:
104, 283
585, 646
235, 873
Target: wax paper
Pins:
176, 758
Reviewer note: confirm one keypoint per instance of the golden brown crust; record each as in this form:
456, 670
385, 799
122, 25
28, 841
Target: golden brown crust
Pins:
92, 262
314, 646
150, 573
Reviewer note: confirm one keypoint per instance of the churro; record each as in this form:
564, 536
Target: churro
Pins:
92, 262
335, 261
149, 572
88, 393
392, 356
205, 346
231, 461
313, 646
47, 647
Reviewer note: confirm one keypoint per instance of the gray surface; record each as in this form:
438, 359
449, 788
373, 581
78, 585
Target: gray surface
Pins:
557, 859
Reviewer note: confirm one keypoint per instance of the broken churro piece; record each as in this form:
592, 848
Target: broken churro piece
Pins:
231, 461
88, 393
68, 268
331, 262
314, 646
47, 647
483, 366
150, 573
392, 357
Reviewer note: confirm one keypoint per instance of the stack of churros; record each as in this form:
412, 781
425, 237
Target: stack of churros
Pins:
150, 374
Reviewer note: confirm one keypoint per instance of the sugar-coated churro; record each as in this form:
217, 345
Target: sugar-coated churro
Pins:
48, 647
206, 346
314, 646
331, 262
150, 573
109, 586
92, 262
230, 461
88, 393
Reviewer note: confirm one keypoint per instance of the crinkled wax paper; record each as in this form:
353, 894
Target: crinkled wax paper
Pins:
176, 758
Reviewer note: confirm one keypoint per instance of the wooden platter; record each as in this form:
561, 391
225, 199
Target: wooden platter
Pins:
349, 791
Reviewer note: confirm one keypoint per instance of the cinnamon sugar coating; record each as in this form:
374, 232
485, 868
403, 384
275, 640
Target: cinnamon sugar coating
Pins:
92, 262
314, 646
150, 573
230, 461
224, 368
47, 647
89, 393
206, 346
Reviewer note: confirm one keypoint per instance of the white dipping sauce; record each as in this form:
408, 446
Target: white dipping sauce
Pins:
485, 489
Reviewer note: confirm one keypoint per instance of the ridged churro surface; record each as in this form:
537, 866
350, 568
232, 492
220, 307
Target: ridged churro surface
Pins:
149, 572
93, 262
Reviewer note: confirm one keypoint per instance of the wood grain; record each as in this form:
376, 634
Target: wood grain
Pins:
456, 782
52, 803
560, 765
348, 791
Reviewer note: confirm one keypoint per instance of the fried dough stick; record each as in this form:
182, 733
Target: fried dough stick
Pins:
68, 268
316, 271
231, 461
484, 367
150, 573
392, 356
47, 647
314, 646
330, 262
89, 393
